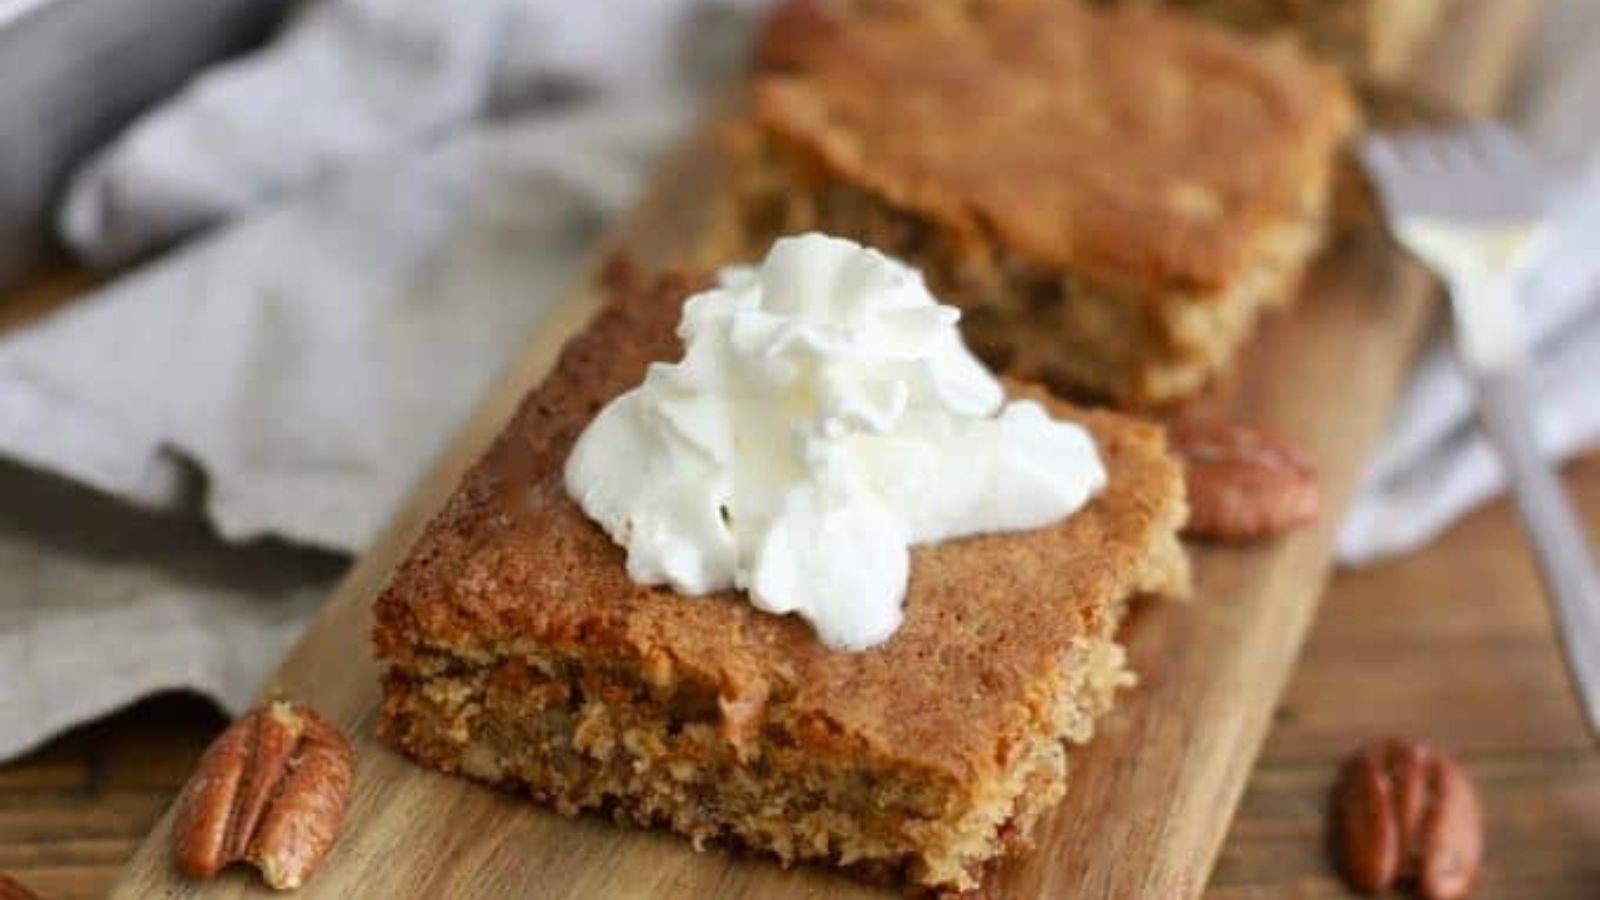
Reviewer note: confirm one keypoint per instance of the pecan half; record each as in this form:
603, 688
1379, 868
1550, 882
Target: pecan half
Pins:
1405, 811
1243, 484
270, 791
11, 890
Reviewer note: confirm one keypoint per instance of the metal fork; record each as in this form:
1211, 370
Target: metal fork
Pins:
1471, 203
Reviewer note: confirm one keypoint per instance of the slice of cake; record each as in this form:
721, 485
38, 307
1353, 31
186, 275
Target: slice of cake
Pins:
519, 652
1376, 39
1113, 197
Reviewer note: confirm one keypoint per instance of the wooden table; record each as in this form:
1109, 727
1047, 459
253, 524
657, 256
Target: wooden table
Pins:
1452, 644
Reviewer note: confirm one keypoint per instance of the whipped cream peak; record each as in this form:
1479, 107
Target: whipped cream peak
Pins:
824, 418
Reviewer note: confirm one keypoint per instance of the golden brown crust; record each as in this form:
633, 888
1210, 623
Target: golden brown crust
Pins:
511, 559
1131, 145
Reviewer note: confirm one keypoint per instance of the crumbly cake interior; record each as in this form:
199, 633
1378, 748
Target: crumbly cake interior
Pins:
518, 653
541, 724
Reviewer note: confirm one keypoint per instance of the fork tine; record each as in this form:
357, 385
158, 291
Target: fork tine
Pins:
1478, 171
1512, 156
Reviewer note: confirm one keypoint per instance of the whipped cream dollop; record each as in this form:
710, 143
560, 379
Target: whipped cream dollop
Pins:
825, 417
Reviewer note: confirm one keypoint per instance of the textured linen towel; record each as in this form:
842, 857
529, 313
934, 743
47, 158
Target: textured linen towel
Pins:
390, 194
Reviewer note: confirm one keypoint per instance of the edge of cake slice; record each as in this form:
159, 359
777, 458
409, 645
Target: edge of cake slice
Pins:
1114, 197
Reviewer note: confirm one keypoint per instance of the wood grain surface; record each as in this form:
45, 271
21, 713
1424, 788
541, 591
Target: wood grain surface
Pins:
1151, 797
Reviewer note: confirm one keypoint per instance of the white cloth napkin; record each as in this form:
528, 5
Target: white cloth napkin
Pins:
312, 358
395, 191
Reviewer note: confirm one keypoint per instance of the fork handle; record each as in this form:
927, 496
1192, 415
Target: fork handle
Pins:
1560, 543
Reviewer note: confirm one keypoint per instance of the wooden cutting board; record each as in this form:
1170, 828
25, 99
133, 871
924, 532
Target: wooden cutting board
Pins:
1150, 799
